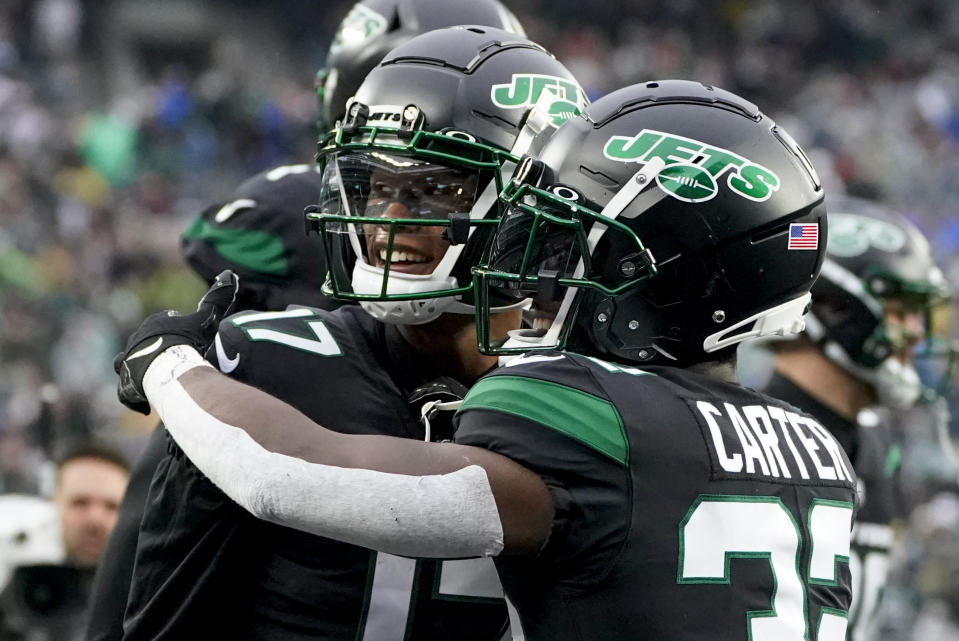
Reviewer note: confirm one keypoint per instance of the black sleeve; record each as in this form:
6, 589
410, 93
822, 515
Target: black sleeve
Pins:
112, 582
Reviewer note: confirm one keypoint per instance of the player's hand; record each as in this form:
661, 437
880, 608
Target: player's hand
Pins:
168, 328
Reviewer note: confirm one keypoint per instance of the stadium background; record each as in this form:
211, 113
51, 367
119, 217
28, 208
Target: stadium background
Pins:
120, 120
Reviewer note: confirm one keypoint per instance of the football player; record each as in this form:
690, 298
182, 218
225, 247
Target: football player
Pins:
258, 232
871, 308
422, 146
628, 487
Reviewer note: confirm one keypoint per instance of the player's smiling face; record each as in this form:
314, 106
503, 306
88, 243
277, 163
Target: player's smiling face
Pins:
416, 249
432, 194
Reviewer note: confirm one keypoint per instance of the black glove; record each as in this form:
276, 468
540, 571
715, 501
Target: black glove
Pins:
167, 328
435, 404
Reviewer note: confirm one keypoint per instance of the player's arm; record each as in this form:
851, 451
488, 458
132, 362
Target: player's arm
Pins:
397, 495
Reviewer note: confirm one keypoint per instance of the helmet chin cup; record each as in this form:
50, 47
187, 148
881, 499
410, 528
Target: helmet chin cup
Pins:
369, 280
407, 312
897, 385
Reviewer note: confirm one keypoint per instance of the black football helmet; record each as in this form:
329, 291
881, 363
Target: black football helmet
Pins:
669, 223
258, 233
412, 172
374, 27
875, 257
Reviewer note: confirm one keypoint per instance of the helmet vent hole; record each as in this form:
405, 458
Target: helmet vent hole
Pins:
652, 85
475, 30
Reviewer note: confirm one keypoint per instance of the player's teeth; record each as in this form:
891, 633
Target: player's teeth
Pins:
404, 257
542, 323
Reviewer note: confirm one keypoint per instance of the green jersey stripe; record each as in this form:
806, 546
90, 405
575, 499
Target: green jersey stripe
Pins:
591, 420
259, 251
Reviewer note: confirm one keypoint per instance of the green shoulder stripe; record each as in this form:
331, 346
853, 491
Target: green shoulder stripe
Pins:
591, 420
259, 251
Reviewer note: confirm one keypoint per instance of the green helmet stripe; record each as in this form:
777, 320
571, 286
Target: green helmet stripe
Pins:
591, 420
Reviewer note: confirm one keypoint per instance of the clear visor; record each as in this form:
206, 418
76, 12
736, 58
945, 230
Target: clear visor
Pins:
395, 207
537, 253
538, 247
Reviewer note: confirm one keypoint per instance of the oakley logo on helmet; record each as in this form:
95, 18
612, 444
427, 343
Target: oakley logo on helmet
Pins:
525, 89
361, 23
851, 235
693, 167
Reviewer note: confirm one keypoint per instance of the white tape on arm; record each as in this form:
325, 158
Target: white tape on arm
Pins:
441, 516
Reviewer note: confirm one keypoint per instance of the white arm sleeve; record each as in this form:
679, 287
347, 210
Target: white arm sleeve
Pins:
442, 516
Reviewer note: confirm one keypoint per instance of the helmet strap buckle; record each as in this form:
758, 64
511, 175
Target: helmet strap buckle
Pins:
546, 283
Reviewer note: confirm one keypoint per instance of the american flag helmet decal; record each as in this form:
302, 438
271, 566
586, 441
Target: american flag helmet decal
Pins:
803, 236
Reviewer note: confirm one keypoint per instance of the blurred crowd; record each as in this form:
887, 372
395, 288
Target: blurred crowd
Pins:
119, 121
107, 149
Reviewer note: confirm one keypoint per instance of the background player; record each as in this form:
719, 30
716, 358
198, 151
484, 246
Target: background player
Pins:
871, 308
664, 501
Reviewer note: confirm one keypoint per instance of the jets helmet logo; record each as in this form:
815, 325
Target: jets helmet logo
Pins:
525, 89
693, 168
851, 235
361, 23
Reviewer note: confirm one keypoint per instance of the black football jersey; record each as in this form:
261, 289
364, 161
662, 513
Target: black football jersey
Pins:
686, 508
876, 457
207, 569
